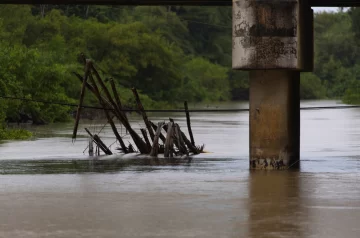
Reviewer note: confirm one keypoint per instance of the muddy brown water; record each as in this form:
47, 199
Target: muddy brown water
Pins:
49, 188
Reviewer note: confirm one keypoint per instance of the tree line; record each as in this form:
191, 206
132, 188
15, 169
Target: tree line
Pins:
170, 54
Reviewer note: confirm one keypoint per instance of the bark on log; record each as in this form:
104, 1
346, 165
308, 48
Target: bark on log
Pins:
91, 146
107, 106
131, 148
192, 148
143, 131
99, 143
188, 123
162, 137
188, 144
104, 88
174, 137
82, 94
155, 147
169, 140
110, 120
117, 98
143, 113
182, 146
136, 138
177, 141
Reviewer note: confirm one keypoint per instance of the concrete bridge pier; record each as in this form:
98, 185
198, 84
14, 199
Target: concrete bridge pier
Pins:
273, 39
274, 119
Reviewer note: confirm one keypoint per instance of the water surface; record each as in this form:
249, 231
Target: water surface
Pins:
50, 188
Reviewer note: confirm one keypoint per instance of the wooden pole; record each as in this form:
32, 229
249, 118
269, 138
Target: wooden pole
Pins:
143, 113
186, 140
91, 146
117, 98
155, 147
176, 135
169, 140
188, 123
91, 136
162, 137
110, 120
175, 139
182, 147
107, 106
131, 148
143, 131
104, 88
136, 138
82, 94
99, 143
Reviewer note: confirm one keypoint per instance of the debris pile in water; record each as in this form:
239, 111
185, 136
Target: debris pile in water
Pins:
174, 143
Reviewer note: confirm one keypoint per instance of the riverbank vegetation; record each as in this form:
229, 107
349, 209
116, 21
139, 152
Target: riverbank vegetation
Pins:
15, 134
170, 54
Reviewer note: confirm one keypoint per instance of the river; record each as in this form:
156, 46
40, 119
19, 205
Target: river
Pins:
50, 188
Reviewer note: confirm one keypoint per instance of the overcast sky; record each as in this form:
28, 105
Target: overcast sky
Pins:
330, 9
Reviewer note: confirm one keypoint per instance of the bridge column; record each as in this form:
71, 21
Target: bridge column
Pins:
274, 119
270, 40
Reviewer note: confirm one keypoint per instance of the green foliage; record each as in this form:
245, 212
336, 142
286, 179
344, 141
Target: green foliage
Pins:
14, 134
170, 54
34, 74
352, 94
203, 81
336, 52
311, 87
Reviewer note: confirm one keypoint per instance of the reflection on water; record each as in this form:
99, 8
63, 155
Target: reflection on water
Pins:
49, 188
275, 208
90, 165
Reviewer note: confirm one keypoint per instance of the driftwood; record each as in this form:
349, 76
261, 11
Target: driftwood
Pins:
192, 148
117, 98
110, 120
91, 146
104, 88
82, 94
189, 145
143, 113
99, 142
136, 138
188, 123
162, 137
169, 143
107, 106
182, 147
174, 138
131, 148
102, 145
143, 131
155, 147
111, 104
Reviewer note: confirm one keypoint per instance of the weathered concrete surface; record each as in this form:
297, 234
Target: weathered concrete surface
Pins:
273, 34
274, 119
265, 34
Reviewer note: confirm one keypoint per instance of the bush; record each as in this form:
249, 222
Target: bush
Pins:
352, 94
311, 87
15, 134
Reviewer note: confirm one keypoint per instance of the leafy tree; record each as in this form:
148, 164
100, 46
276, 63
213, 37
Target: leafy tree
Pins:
204, 81
311, 87
169, 53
